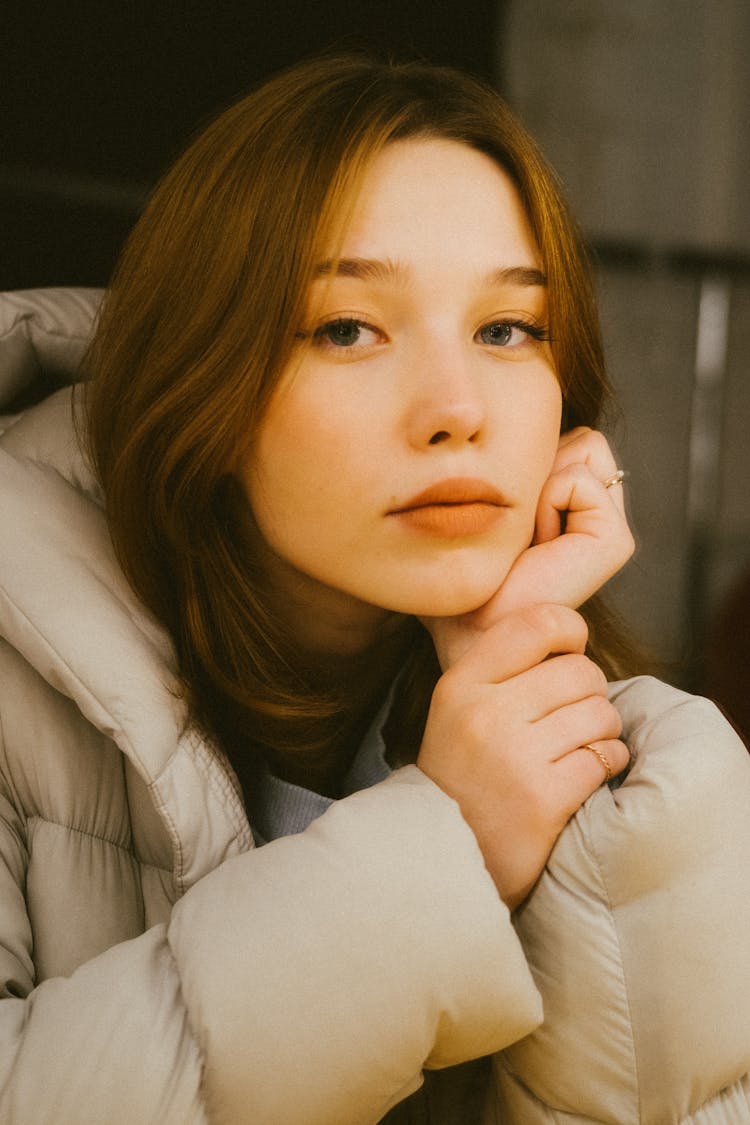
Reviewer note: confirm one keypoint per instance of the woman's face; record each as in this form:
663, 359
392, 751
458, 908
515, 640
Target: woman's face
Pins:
399, 464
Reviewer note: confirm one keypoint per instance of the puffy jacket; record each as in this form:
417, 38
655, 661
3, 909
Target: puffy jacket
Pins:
156, 967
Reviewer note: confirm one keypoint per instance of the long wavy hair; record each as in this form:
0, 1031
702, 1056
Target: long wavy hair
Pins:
199, 323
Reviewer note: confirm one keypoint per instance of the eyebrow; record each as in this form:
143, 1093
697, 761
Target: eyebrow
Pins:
525, 276
363, 269
375, 269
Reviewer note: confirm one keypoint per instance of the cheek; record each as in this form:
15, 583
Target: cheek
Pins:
540, 439
323, 427
290, 433
543, 427
304, 456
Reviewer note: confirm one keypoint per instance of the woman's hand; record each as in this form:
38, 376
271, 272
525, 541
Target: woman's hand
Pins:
519, 702
506, 737
581, 539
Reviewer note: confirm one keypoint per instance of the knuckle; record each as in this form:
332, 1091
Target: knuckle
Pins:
599, 443
537, 618
609, 717
588, 676
447, 689
617, 722
466, 711
620, 754
551, 619
596, 676
578, 432
584, 671
628, 542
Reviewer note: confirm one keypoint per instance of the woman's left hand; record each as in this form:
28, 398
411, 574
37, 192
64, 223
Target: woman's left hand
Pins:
581, 539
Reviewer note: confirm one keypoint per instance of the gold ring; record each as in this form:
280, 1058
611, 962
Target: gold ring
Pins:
616, 478
602, 759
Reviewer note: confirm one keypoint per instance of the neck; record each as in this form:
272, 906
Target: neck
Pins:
351, 688
343, 653
326, 623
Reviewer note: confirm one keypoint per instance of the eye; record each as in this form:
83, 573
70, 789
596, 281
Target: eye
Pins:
346, 332
510, 333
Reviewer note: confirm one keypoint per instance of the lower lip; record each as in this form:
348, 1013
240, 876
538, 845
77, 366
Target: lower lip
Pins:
452, 520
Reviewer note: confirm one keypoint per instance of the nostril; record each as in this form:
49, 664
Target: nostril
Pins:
441, 435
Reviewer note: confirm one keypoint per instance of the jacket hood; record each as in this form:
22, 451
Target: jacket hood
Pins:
67, 608
43, 337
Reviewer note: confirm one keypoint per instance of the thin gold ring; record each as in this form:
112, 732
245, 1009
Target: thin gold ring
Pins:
616, 478
602, 758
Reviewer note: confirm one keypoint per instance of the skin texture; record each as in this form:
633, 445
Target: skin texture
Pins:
423, 366
357, 430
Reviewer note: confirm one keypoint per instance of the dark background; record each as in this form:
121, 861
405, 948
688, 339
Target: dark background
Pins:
97, 98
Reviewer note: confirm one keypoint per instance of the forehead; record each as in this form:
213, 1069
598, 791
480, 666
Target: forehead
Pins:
434, 193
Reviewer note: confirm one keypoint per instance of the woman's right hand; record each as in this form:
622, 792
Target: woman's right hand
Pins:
506, 737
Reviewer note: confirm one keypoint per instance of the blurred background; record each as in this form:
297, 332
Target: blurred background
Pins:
643, 109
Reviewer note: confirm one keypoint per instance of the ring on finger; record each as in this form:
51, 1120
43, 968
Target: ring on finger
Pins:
602, 758
616, 478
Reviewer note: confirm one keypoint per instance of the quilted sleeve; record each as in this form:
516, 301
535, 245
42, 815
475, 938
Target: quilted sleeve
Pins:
637, 934
308, 982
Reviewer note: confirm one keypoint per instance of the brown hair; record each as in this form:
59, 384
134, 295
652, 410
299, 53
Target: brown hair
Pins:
198, 324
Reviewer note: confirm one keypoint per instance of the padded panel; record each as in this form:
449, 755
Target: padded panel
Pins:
43, 335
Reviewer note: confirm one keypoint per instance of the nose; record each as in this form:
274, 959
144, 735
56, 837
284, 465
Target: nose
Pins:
446, 404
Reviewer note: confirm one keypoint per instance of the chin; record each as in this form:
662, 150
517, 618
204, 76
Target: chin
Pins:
449, 599
448, 607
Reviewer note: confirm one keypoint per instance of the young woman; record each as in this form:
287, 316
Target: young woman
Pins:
303, 681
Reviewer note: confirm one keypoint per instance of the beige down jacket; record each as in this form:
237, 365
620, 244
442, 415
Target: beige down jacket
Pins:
155, 967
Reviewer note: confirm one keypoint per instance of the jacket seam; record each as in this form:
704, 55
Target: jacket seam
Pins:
197, 1039
96, 836
623, 976
212, 765
16, 803
178, 858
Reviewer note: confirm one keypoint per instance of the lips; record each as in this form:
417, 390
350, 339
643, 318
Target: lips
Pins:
453, 508
460, 490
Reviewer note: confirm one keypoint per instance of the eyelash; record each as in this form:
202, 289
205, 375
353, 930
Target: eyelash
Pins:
321, 335
536, 332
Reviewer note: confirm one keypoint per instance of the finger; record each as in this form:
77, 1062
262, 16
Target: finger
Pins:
593, 758
558, 682
589, 447
582, 771
521, 640
577, 724
590, 508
